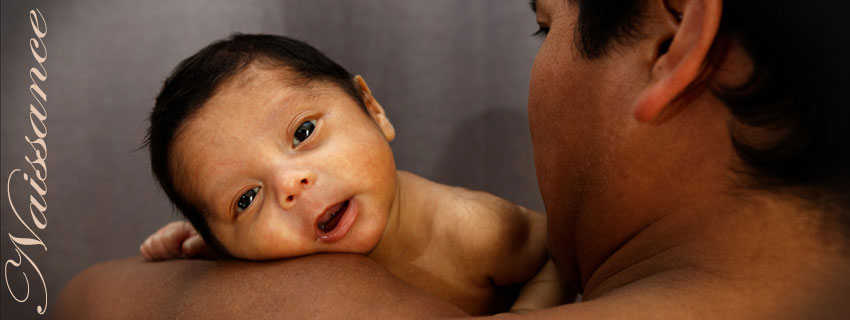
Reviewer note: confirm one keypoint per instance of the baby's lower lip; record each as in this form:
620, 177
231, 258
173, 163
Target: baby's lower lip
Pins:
335, 230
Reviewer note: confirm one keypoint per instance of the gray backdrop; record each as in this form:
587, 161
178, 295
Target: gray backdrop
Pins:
452, 75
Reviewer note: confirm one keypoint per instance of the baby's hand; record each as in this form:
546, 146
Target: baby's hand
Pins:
545, 290
175, 240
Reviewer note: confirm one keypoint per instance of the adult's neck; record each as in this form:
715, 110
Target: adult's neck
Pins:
763, 253
699, 235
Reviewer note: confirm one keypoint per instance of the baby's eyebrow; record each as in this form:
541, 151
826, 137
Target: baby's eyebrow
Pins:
533, 5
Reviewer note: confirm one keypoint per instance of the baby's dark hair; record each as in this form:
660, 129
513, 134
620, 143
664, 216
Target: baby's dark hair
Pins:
195, 80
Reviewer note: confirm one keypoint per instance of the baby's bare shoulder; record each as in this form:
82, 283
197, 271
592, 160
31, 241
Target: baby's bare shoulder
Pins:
506, 239
463, 202
489, 207
486, 223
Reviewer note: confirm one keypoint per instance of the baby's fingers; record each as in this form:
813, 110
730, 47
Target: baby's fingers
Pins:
170, 241
177, 231
166, 242
195, 247
152, 249
145, 249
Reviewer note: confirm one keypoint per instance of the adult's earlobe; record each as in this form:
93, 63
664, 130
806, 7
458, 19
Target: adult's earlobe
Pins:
680, 59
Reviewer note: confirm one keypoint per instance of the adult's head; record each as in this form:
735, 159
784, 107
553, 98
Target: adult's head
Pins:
642, 109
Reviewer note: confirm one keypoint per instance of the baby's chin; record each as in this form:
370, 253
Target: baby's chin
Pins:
363, 240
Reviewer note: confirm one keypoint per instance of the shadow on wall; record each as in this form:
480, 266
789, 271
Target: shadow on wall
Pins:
492, 152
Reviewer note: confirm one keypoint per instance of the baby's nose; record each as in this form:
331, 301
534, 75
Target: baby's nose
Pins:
292, 184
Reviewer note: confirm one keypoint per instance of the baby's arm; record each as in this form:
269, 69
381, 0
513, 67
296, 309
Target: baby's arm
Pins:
522, 257
545, 290
175, 240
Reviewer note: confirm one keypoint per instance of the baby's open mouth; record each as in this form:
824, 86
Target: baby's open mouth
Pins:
331, 217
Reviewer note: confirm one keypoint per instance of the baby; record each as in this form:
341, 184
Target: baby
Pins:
272, 150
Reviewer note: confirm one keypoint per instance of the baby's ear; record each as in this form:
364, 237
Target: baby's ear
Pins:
374, 108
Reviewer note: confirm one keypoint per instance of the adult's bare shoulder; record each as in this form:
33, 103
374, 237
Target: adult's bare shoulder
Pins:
320, 286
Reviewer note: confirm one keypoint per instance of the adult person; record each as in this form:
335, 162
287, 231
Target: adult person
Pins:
692, 156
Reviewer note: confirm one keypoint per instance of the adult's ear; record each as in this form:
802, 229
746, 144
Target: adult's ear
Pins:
688, 29
374, 108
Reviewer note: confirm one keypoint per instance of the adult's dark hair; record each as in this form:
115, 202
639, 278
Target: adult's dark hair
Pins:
798, 92
195, 80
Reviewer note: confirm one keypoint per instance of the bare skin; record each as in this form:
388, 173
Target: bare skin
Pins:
461, 245
467, 247
644, 211
341, 286
470, 248
668, 226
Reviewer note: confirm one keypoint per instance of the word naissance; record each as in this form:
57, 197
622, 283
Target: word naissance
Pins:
37, 178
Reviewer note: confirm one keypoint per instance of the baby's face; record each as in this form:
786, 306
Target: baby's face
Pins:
284, 170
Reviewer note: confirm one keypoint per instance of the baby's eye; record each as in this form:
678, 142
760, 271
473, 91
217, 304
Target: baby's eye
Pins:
303, 131
246, 199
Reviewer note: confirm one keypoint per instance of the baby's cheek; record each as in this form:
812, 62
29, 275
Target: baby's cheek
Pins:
268, 240
370, 235
251, 242
286, 238
382, 165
